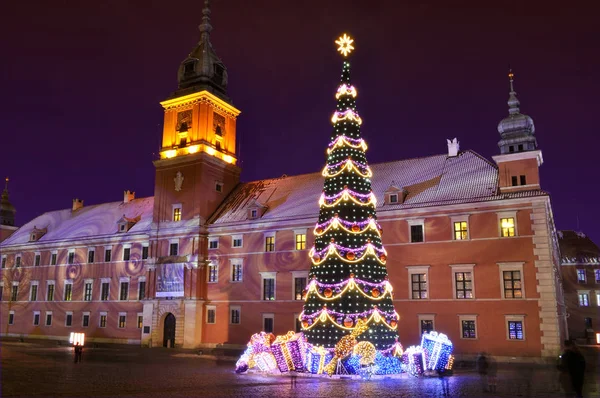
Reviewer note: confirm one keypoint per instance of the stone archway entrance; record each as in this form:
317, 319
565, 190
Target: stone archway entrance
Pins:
169, 331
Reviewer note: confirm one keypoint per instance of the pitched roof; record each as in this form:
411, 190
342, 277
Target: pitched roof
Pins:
89, 221
430, 181
577, 248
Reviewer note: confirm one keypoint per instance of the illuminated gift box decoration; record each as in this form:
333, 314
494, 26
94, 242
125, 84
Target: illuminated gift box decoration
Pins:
77, 338
413, 360
265, 361
387, 364
289, 351
437, 348
317, 358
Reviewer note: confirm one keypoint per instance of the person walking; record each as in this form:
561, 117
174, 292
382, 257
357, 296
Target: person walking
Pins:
78, 352
482, 369
572, 367
492, 373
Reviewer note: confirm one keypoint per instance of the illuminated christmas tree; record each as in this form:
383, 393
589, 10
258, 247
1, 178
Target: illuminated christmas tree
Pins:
348, 277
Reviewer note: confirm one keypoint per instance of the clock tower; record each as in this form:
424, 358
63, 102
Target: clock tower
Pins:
197, 169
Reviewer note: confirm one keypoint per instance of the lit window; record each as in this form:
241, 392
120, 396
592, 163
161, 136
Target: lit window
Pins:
299, 286
300, 241
236, 272
87, 290
584, 299
419, 286
515, 330
270, 243
140, 321
213, 273
512, 284
597, 275
460, 230
122, 319
102, 322
468, 329
507, 227
464, 285
50, 291
268, 288
581, 278
177, 214
68, 291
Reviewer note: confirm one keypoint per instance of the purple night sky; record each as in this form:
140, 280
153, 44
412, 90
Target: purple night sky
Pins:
81, 85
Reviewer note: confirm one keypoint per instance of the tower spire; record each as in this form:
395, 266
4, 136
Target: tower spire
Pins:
7, 210
205, 27
513, 101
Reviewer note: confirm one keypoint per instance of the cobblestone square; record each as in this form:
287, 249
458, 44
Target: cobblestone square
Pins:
32, 369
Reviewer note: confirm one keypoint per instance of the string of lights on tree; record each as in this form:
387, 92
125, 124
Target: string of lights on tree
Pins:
349, 281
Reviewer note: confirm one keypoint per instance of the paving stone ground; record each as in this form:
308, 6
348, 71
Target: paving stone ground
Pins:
46, 370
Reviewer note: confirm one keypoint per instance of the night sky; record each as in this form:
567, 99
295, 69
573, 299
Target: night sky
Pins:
81, 84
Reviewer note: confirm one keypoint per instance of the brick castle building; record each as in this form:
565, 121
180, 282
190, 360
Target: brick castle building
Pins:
208, 260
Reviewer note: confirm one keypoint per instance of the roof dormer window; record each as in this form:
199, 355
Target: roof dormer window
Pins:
126, 223
188, 67
37, 233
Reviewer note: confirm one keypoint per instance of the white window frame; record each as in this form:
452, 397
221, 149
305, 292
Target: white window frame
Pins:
213, 240
511, 266
119, 320
11, 314
584, 281
268, 275
462, 268
416, 221
239, 309
91, 250
83, 314
102, 281
140, 280
67, 282
14, 283
174, 241
270, 234
236, 237
100, 315
233, 262
20, 257
53, 253
145, 244
597, 278
46, 318
67, 313
85, 282
391, 197
176, 206
37, 293
514, 318
253, 214
124, 279
39, 318
210, 265
418, 269
301, 232
4, 259
69, 252
137, 320
111, 254
465, 317
298, 274
460, 218
35, 256
507, 214
581, 292
126, 246
268, 315
425, 317
211, 308
48, 283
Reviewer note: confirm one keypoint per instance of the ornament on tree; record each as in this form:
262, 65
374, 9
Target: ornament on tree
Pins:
328, 292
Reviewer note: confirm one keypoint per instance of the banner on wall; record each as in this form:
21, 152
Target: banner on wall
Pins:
169, 280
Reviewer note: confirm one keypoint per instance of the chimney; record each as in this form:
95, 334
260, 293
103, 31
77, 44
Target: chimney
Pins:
453, 147
128, 196
77, 204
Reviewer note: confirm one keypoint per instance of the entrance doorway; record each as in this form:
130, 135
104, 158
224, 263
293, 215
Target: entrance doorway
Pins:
169, 332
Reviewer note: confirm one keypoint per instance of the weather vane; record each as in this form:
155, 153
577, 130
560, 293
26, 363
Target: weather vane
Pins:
345, 45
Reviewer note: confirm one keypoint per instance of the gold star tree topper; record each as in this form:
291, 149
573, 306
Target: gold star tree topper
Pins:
345, 45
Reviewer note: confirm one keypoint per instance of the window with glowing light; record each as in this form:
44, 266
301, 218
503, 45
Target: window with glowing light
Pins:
515, 330
581, 277
584, 299
464, 285
68, 291
102, 322
512, 284
460, 230
468, 329
177, 213
299, 286
122, 320
300, 241
507, 227
50, 291
270, 243
268, 288
140, 321
419, 286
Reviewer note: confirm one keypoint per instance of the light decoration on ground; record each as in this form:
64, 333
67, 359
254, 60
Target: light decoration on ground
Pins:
366, 351
345, 346
438, 349
290, 351
413, 360
344, 43
317, 357
77, 338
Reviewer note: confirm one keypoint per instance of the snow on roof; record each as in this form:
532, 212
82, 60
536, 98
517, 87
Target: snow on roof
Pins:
430, 181
89, 221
